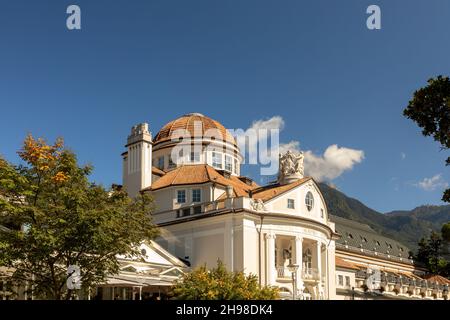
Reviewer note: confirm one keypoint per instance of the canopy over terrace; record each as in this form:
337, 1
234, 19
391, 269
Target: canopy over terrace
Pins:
141, 279
132, 288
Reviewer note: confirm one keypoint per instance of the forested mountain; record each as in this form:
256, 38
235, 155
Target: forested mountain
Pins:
404, 226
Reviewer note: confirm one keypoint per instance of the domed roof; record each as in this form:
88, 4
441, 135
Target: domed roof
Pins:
188, 122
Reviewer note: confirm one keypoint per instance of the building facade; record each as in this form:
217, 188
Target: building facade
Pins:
208, 211
282, 232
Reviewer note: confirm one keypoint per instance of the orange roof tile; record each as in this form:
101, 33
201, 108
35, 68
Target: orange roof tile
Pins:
268, 192
345, 264
198, 174
188, 122
436, 278
158, 171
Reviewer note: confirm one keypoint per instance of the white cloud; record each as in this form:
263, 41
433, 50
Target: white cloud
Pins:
275, 122
333, 163
433, 183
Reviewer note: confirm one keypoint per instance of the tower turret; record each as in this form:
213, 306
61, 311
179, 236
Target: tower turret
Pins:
137, 161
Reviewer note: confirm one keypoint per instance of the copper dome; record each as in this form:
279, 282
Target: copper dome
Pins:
187, 122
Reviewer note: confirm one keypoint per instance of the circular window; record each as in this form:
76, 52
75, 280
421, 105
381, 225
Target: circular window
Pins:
309, 201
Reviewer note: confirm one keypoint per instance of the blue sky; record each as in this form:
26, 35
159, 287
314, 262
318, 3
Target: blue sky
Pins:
313, 63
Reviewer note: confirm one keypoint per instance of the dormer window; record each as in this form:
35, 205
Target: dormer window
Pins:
228, 163
195, 157
217, 160
171, 163
161, 163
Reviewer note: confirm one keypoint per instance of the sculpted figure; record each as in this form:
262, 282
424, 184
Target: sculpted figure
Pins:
291, 165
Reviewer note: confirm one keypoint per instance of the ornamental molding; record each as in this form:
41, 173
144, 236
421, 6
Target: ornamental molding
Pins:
257, 205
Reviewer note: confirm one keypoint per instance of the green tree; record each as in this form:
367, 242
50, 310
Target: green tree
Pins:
445, 231
57, 218
220, 284
431, 254
430, 109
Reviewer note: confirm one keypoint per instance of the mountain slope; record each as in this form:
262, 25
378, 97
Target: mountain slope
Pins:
406, 227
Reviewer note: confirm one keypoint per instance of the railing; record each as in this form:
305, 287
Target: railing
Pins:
373, 253
405, 285
200, 208
283, 272
310, 274
214, 205
306, 274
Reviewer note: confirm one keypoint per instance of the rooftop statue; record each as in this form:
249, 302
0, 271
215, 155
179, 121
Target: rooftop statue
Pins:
290, 167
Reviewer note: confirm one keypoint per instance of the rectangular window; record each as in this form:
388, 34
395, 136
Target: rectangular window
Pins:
347, 281
196, 195
171, 163
321, 213
186, 212
195, 157
341, 280
161, 162
197, 209
291, 203
217, 160
235, 166
181, 196
228, 163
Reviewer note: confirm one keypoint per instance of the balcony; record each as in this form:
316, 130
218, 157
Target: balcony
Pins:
311, 274
283, 273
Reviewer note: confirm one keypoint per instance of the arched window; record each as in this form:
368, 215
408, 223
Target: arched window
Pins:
309, 201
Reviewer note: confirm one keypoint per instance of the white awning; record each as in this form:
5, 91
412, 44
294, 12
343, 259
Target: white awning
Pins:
135, 282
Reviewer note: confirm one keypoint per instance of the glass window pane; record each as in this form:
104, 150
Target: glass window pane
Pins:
181, 196
196, 195
228, 163
309, 201
217, 160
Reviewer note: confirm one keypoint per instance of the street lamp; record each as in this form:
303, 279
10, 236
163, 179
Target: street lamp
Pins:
293, 269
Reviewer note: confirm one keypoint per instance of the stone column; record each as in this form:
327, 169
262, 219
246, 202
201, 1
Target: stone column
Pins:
299, 261
319, 260
271, 270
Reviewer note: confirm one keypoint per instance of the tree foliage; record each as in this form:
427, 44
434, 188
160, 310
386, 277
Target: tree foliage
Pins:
57, 218
430, 109
432, 254
220, 284
445, 231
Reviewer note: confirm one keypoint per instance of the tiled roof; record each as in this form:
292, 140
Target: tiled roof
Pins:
268, 192
438, 279
158, 171
188, 122
345, 264
198, 174
358, 235
202, 173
